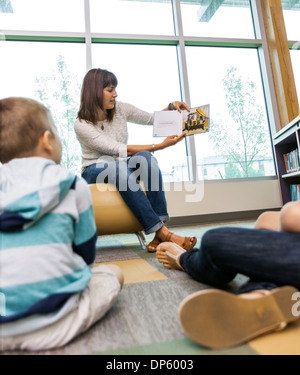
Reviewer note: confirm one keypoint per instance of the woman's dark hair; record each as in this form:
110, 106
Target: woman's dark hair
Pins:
91, 98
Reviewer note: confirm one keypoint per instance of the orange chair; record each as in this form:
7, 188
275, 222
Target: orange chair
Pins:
112, 215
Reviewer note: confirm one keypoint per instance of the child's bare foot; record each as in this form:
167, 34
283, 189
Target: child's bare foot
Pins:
168, 254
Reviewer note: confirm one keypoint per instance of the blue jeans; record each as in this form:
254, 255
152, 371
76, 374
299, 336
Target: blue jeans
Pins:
269, 258
149, 209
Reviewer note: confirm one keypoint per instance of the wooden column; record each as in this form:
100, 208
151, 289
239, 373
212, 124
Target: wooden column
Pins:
280, 58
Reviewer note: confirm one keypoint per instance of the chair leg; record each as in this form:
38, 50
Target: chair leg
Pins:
142, 239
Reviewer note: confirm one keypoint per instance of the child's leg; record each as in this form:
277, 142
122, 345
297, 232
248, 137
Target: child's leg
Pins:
285, 220
92, 304
118, 272
290, 217
268, 220
262, 255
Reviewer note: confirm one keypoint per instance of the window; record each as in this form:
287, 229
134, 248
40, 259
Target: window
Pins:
239, 135
132, 17
52, 77
291, 13
148, 79
46, 15
295, 56
226, 19
161, 51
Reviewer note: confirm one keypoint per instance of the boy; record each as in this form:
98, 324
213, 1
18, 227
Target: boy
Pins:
50, 292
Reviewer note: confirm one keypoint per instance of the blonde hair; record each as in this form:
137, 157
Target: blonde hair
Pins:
22, 122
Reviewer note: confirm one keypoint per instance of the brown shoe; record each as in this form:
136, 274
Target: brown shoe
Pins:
218, 319
188, 242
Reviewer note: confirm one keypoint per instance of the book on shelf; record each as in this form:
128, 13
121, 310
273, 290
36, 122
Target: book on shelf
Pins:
295, 192
195, 121
291, 161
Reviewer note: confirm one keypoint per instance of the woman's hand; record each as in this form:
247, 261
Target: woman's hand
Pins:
171, 140
179, 106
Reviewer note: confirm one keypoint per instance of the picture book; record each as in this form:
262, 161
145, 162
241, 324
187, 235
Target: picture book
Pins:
173, 122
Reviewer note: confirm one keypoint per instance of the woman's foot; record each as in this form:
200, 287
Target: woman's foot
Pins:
185, 243
168, 254
164, 235
152, 246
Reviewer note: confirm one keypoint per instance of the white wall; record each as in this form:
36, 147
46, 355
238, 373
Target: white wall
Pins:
222, 197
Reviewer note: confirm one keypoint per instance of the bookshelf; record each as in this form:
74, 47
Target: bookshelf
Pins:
287, 151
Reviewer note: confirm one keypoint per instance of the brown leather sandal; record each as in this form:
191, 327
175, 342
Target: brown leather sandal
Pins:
154, 243
186, 245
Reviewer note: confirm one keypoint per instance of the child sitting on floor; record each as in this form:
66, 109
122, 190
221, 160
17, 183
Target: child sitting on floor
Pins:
268, 254
50, 291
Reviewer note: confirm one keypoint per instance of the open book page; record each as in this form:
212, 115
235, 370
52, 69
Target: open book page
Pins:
167, 123
172, 122
197, 120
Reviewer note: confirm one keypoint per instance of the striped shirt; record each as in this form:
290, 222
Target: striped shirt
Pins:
47, 243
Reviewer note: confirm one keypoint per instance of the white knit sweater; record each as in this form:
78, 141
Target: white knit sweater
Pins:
109, 139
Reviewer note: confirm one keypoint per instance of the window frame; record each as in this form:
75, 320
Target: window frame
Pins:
180, 41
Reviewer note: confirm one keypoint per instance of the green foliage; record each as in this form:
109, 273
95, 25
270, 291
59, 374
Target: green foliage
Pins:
60, 93
232, 171
245, 137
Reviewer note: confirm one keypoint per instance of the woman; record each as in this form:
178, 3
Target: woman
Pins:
101, 128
